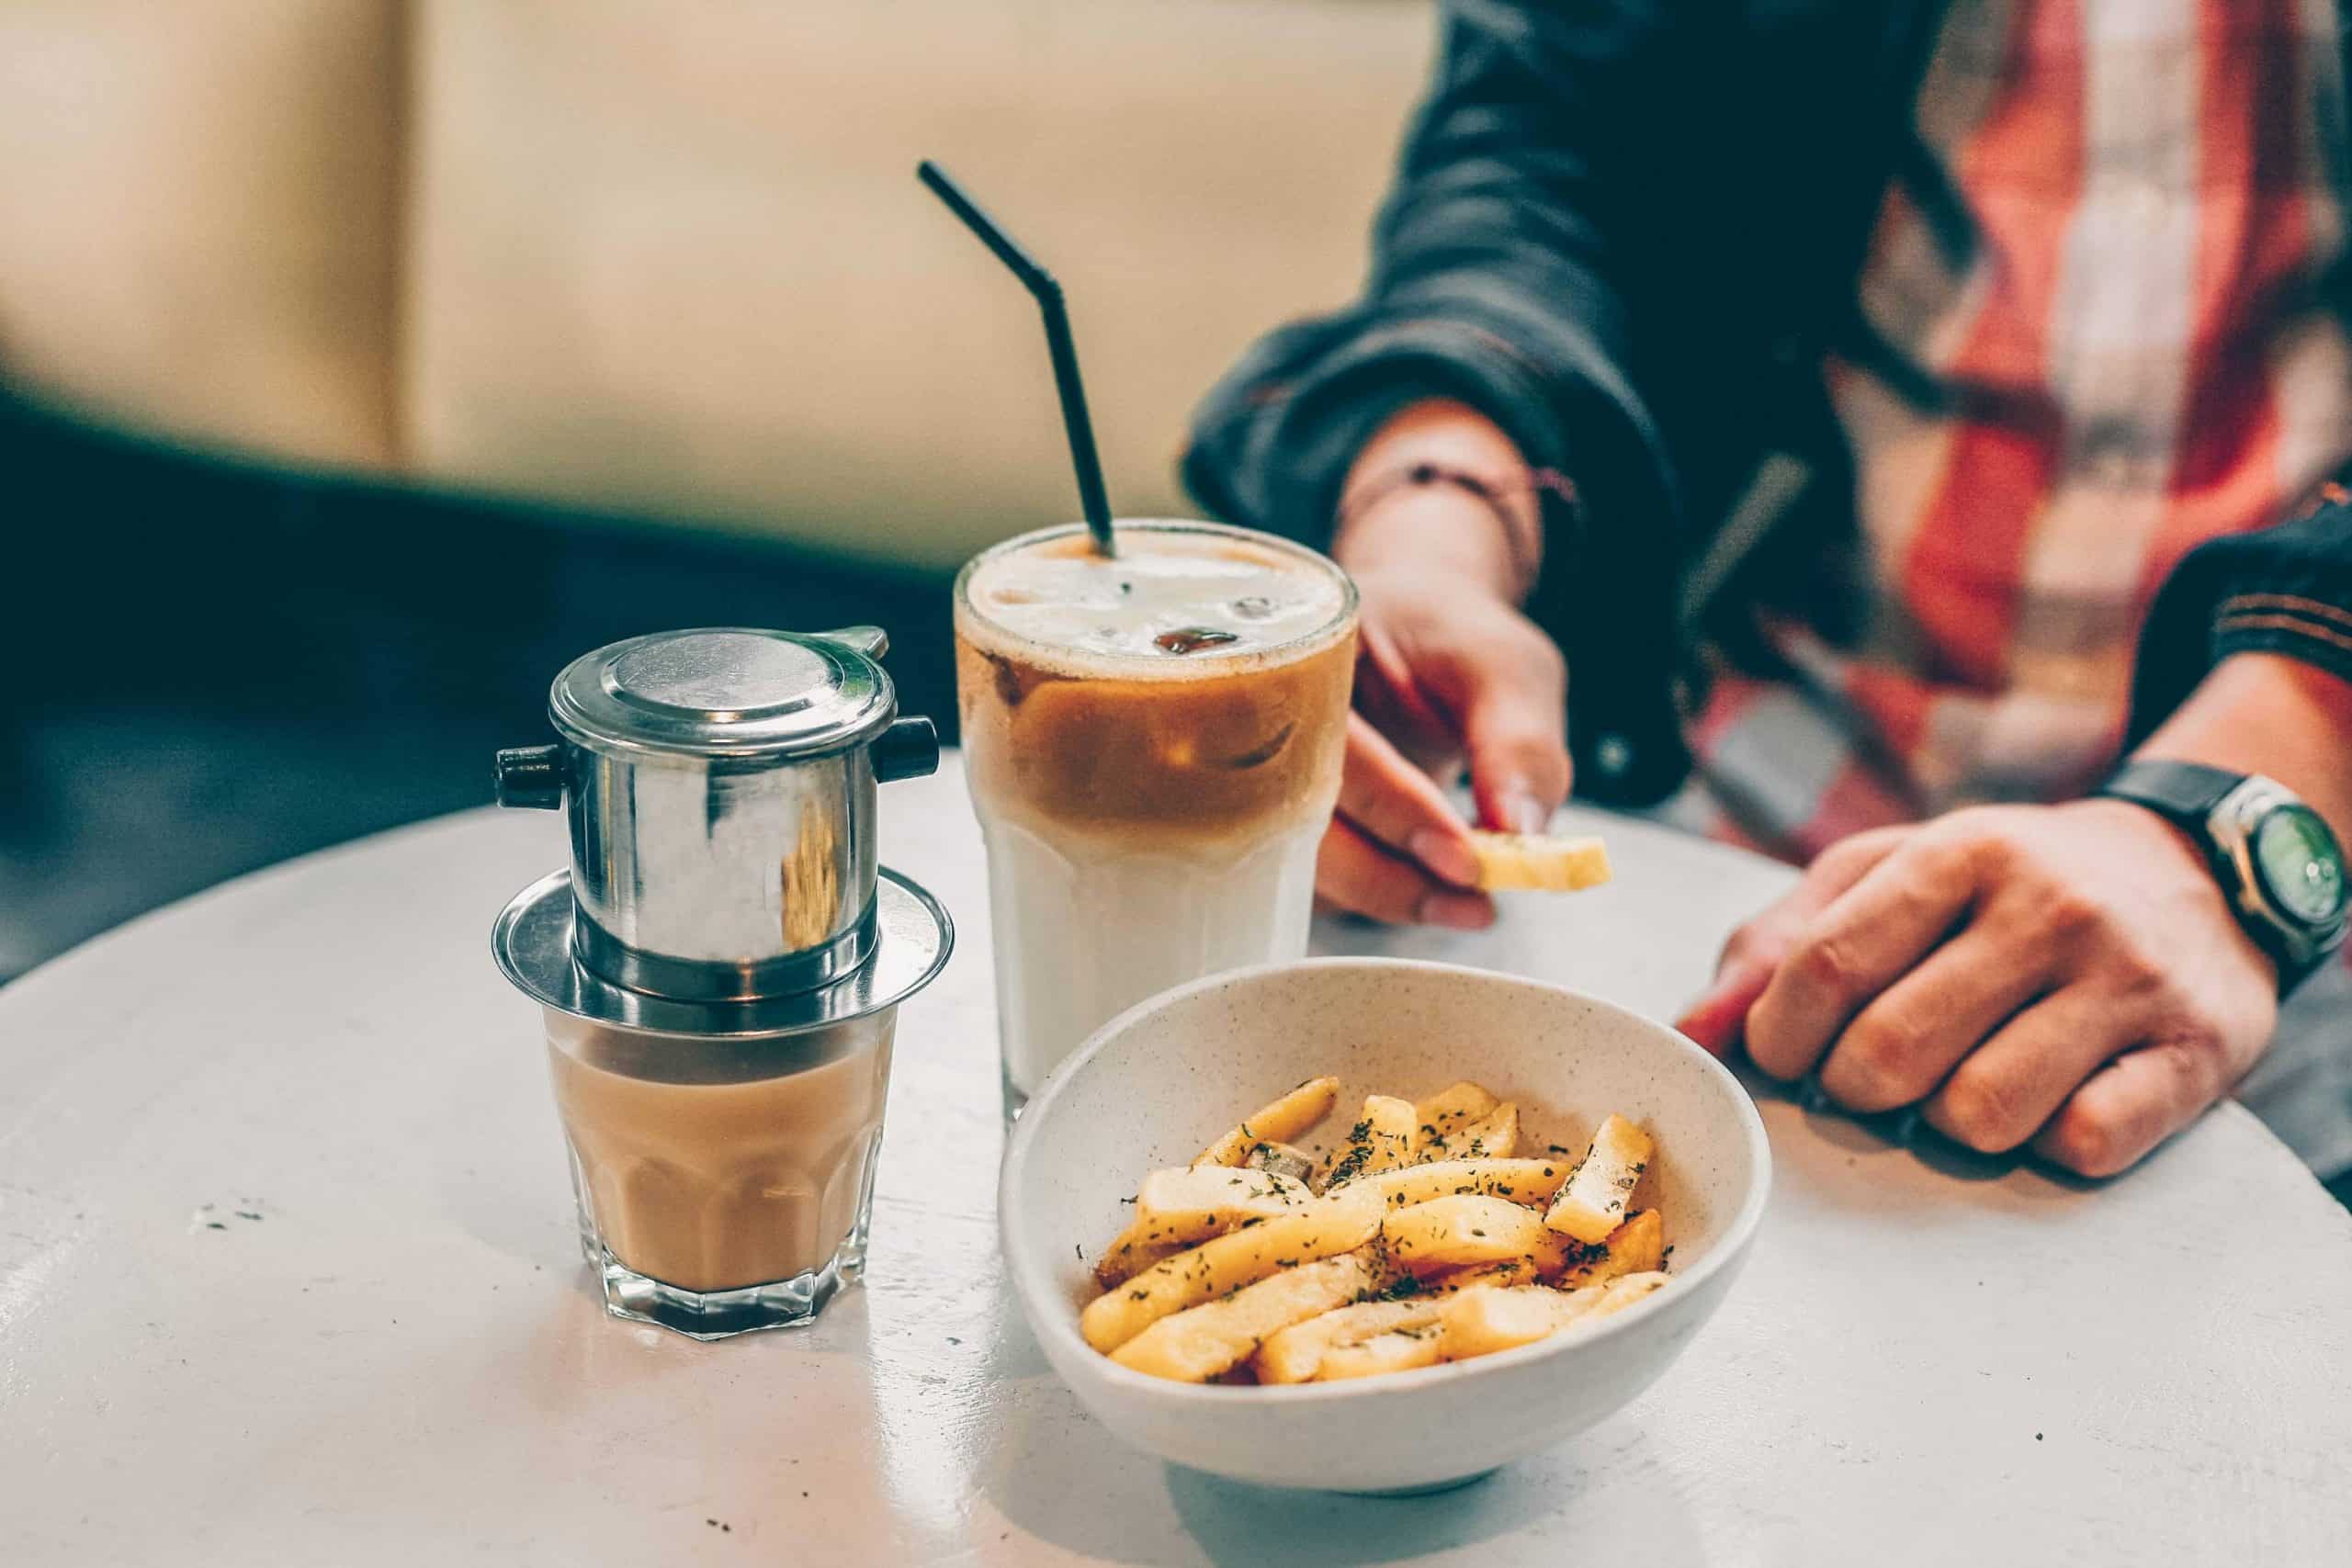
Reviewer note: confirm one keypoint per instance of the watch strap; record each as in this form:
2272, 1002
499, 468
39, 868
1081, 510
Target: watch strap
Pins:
2186, 793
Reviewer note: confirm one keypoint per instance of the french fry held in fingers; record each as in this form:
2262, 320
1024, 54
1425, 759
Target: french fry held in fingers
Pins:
1206, 1341
1534, 861
1637, 1246
1531, 1182
1452, 1107
1596, 1197
1447, 1233
1381, 1140
1211, 1270
1296, 1353
1279, 1123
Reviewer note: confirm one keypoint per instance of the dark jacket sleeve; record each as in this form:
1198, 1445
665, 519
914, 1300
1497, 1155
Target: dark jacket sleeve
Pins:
1506, 264
2283, 590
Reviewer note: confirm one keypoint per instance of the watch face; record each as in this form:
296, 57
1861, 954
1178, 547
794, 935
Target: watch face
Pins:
2302, 868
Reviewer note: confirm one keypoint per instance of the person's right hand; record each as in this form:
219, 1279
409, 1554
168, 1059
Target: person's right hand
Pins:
1448, 672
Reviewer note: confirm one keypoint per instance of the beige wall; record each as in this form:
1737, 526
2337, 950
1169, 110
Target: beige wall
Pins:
673, 259
197, 216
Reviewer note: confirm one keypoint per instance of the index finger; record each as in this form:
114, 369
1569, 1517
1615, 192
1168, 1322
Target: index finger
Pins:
1717, 1018
1395, 804
1868, 938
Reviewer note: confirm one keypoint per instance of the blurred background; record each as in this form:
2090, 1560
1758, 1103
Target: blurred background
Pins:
362, 361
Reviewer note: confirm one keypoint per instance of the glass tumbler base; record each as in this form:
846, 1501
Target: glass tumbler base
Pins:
721, 1314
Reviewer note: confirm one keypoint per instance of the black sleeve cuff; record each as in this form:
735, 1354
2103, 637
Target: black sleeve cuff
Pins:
2286, 590
1272, 444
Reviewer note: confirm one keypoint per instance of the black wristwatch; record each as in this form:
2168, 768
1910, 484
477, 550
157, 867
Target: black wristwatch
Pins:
2274, 856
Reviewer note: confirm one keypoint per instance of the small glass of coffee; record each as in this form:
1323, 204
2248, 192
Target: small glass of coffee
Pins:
722, 1170
719, 968
1153, 744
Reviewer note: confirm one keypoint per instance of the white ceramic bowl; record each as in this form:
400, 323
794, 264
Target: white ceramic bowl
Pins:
1159, 1082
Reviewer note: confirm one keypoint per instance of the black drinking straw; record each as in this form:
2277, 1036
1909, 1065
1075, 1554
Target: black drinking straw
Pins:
1091, 496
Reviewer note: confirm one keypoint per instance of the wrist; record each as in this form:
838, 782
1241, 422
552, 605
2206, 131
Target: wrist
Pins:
1441, 488
2278, 866
2167, 841
2272, 715
1436, 535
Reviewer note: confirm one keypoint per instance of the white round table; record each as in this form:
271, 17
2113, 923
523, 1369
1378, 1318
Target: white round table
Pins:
288, 1274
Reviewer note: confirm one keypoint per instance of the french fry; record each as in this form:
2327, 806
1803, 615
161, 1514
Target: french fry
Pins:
1453, 1281
1510, 862
1279, 1123
1481, 1321
1530, 1181
1283, 1159
1179, 1207
1207, 1341
1493, 1136
1134, 1250
1210, 1199
1472, 1231
1597, 1197
1490, 1318
1211, 1270
1381, 1140
1398, 1351
1624, 1291
1296, 1353
1158, 1231
1429, 1242
1457, 1105
1637, 1246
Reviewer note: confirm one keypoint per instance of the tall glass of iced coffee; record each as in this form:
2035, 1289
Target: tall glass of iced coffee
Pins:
1153, 743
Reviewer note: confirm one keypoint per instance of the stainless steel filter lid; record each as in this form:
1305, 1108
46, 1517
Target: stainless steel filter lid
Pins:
727, 691
912, 937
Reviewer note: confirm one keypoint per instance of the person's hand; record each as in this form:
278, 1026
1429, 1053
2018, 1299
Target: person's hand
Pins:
2068, 975
1449, 672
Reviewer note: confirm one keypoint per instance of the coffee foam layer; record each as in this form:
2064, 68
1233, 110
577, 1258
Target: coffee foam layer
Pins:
1169, 603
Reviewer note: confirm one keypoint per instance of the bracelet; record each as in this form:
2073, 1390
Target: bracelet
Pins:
1493, 493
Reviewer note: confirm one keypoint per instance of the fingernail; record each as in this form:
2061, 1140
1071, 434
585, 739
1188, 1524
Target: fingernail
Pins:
1525, 814
1456, 911
1446, 855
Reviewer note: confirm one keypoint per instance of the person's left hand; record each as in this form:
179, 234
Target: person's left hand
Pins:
2067, 974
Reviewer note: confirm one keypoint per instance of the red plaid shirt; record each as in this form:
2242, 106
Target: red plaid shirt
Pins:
2130, 365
